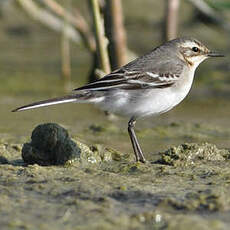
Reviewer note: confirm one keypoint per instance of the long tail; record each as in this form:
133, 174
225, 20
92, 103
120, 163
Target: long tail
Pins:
53, 101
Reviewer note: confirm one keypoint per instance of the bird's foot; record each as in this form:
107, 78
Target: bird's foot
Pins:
141, 159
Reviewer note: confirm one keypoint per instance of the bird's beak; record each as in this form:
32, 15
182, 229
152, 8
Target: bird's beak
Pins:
214, 54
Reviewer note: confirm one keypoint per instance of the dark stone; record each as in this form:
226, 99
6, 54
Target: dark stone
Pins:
3, 160
50, 145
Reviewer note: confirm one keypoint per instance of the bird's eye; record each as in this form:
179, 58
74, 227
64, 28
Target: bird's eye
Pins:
195, 49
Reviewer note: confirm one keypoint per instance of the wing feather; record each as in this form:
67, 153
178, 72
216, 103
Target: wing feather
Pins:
130, 80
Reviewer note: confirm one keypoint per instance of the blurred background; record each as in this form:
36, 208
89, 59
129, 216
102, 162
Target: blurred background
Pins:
48, 47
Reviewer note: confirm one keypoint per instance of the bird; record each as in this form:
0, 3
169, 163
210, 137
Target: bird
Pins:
150, 85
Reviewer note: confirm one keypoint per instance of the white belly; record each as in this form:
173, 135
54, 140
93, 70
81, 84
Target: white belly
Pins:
145, 102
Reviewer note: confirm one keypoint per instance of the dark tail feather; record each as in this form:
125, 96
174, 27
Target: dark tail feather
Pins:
53, 101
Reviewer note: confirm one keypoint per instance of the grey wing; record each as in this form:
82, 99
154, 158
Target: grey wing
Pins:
132, 81
130, 78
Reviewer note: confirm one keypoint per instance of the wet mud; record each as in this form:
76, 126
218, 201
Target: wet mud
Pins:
184, 187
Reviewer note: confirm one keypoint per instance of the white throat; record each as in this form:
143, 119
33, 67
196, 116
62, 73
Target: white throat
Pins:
196, 60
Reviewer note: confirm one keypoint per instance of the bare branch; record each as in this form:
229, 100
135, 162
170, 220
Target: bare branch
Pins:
100, 37
204, 8
115, 32
172, 7
77, 20
49, 20
65, 51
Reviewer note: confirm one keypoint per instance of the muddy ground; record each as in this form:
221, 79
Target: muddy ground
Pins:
185, 187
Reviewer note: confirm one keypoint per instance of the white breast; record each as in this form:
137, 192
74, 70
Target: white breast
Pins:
147, 102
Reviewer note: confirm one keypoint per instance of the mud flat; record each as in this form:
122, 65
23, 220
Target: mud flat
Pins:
185, 187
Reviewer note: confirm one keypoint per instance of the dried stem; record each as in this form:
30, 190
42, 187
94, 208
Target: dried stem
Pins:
172, 7
115, 32
205, 9
77, 20
65, 51
44, 17
101, 40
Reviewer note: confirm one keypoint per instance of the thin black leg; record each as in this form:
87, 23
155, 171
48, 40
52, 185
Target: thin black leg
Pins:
130, 130
136, 147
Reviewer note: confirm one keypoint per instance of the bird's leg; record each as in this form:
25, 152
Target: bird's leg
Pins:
131, 131
136, 147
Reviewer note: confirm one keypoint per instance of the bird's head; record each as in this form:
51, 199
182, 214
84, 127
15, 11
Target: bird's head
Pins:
194, 52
